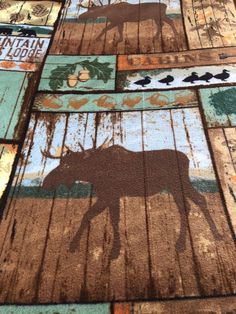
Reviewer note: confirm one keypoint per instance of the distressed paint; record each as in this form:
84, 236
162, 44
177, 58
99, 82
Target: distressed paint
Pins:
218, 305
23, 49
59, 309
7, 157
210, 23
26, 30
223, 144
16, 91
219, 106
176, 78
61, 212
30, 12
70, 73
115, 101
176, 59
77, 35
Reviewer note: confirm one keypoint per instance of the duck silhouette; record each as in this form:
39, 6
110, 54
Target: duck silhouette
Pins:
167, 80
206, 77
222, 76
143, 82
192, 78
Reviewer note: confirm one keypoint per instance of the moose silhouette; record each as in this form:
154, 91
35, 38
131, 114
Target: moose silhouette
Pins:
120, 13
116, 172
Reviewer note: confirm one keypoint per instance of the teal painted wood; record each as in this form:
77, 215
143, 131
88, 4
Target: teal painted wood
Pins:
13, 87
219, 105
115, 101
56, 309
54, 80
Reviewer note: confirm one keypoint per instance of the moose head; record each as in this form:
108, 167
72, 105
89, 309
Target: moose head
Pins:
74, 166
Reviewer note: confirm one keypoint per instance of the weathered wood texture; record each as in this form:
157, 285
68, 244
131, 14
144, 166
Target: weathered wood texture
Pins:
72, 73
210, 23
7, 157
177, 78
35, 234
218, 305
188, 58
223, 142
76, 37
16, 92
219, 106
115, 101
30, 12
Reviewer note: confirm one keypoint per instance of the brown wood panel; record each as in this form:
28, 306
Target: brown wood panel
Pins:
223, 144
38, 264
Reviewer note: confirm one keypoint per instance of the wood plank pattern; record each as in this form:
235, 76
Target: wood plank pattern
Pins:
115, 101
223, 144
7, 157
77, 73
187, 58
38, 226
210, 23
168, 78
81, 36
219, 106
30, 12
15, 98
206, 305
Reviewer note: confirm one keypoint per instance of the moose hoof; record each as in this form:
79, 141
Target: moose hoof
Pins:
180, 246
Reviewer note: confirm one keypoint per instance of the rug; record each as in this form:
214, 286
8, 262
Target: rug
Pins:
117, 156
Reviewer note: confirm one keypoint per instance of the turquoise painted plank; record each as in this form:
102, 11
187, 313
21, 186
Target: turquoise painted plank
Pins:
13, 86
115, 101
219, 105
100, 75
58, 59
56, 309
90, 85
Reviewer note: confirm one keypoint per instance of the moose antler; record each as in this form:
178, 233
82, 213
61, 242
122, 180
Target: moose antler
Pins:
49, 155
65, 149
89, 4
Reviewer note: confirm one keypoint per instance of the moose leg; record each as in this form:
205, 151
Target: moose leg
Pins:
94, 210
172, 25
120, 30
183, 211
109, 27
200, 201
114, 209
159, 26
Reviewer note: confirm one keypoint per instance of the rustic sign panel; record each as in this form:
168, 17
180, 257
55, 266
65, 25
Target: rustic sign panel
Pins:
71, 73
176, 59
25, 30
81, 180
120, 27
218, 305
219, 106
175, 78
23, 49
223, 142
29, 12
7, 157
210, 23
115, 101
16, 92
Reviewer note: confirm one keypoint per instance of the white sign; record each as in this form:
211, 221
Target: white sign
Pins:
23, 49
